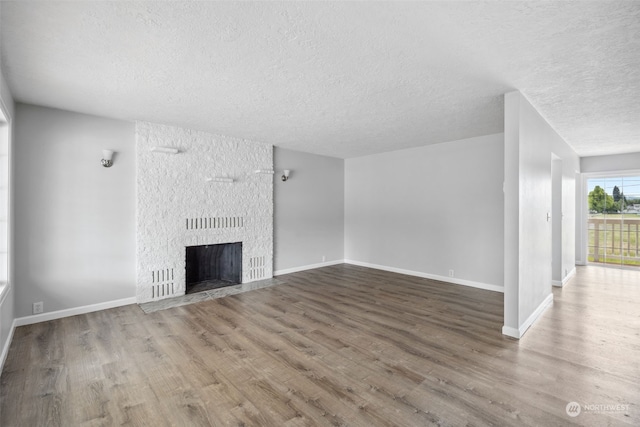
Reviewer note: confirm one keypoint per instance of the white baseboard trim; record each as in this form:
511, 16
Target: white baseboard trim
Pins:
6, 345
511, 332
307, 267
561, 283
518, 333
569, 276
37, 318
480, 285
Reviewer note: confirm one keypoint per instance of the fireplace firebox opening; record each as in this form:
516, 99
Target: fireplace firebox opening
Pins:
213, 266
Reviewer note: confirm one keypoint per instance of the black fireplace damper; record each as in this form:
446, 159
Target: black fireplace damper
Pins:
213, 266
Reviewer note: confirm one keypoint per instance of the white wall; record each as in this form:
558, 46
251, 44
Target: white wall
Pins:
530, 145
308, 210
8, 299
429, 210
613, 163
75, 220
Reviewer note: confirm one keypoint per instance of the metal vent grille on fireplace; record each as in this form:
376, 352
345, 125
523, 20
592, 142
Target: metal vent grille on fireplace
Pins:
216, 222
257, 267
163, 283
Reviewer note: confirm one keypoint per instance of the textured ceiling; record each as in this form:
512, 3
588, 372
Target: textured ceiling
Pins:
337, 78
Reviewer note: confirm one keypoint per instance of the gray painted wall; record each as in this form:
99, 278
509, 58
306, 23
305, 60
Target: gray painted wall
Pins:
6, 323
530, 145
5, 97
308, 209
75, 220
5, 94
429, 210
556, 220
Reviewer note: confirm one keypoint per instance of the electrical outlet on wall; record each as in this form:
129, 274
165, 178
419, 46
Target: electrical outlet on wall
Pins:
450, 273
324, 258
38, 307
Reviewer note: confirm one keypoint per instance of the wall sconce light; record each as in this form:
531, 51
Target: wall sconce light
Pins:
285, 174
107, 156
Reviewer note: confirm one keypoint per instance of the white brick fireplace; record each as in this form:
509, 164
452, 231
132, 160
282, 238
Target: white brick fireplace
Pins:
215, 190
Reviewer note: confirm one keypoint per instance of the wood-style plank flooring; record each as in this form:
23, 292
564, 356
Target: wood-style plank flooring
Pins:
341, 345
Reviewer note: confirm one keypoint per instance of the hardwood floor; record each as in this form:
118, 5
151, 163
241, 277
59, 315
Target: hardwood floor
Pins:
341, 345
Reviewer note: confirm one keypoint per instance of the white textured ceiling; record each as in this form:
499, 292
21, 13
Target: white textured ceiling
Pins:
337, 78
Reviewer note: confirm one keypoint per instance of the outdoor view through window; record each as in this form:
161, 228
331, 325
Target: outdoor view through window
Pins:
614, 219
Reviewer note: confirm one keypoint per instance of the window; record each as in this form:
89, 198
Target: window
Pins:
613, 222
